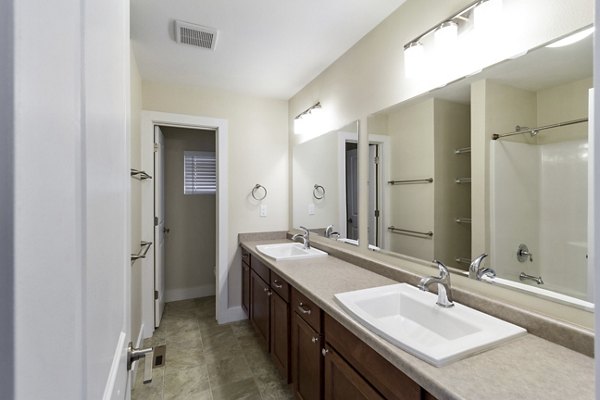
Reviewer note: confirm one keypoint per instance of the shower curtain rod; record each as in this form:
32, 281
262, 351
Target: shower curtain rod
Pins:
534, 131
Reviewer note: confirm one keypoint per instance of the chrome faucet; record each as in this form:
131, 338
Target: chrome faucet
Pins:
303, 237
443, 283
476, 271
329, 232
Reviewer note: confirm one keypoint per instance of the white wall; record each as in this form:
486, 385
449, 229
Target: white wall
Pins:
258, 153
7, 137
136, 199
190, 244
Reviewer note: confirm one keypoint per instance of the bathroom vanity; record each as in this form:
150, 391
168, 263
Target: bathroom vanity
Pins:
326, 354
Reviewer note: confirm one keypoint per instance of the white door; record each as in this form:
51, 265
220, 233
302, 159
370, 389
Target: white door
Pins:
373, 226
159, 226
352, 194
106, 211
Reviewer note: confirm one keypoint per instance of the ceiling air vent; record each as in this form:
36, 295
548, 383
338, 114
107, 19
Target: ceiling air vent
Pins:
195, 35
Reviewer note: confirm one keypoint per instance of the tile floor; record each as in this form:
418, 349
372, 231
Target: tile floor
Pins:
206, 361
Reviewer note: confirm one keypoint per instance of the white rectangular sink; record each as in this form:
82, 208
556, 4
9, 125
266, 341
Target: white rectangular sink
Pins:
289, 251
410, 319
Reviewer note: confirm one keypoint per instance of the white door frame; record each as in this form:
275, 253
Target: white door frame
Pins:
343, 138
220, 126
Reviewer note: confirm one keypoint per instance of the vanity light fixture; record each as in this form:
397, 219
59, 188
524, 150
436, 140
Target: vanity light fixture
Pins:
574, 38
486, 14
414, 58
446, 32
306, 119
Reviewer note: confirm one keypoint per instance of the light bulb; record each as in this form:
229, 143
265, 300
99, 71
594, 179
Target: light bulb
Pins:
446, 35
414, 57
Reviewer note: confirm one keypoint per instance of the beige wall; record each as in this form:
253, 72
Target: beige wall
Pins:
452, 124
136, 224
190, 245
411, 206
257, 153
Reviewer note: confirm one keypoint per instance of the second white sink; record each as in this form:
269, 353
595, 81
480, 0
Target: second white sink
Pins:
410, 319
289, 251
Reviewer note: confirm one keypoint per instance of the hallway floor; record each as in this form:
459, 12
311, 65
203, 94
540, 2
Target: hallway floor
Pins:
206, 361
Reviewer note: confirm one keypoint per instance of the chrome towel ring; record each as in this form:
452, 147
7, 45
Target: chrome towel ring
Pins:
318, 192
256, 189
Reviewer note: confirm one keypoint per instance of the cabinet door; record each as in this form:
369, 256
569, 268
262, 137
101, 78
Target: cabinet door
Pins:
260, 306
280, 329
306, 360
343, 382
246, 288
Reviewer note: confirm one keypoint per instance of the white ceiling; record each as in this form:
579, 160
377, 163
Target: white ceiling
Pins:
270, 48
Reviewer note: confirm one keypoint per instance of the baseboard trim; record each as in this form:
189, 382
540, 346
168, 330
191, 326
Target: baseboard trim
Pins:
189, 293
232, 314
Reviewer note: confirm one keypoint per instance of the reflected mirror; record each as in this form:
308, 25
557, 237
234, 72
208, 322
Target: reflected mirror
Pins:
324, 183
443, 189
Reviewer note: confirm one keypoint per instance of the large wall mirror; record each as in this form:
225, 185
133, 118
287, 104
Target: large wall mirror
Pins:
325, 176
532, 180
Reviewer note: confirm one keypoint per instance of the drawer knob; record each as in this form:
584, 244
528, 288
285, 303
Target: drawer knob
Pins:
277, 284
324, 351
315, 339
303, 308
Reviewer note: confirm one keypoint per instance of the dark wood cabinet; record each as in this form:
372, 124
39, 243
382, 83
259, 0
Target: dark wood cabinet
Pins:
342, 381
322, 359
388, 380
260, 306
306, 360
246, 288
280, 333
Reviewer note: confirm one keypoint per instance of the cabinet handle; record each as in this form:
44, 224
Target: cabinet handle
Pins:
303, 309
267, 291
315, 339
277, 284
324, 351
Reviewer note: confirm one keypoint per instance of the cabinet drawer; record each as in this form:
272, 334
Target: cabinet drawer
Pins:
280, 286
306, 309
245, 257
379, 372
261, 269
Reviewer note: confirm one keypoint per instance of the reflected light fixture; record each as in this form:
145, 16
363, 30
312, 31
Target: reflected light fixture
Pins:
574, 38
307, 119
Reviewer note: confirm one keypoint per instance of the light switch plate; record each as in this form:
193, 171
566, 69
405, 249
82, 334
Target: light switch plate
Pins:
311, 209
263, 210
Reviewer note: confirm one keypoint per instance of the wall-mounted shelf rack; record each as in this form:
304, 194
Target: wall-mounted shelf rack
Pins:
411, 181
409, 232
463, 220
464, 150
462, 260
462, 180
145, 246
141, 175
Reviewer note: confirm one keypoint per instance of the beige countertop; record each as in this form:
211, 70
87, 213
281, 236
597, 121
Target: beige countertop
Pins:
526, 368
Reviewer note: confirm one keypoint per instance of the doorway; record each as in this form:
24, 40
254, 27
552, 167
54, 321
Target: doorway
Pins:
150, 119
185, 187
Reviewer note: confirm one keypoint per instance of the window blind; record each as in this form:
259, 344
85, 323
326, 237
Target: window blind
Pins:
199, 172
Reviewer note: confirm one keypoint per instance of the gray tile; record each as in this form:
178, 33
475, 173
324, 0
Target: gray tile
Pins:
245, 389
186, 383
150, 391
191, 337
274, 389
180, 355
228, 370
242, 328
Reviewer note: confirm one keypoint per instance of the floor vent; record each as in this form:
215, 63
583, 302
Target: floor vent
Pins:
195, 35
159, 356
